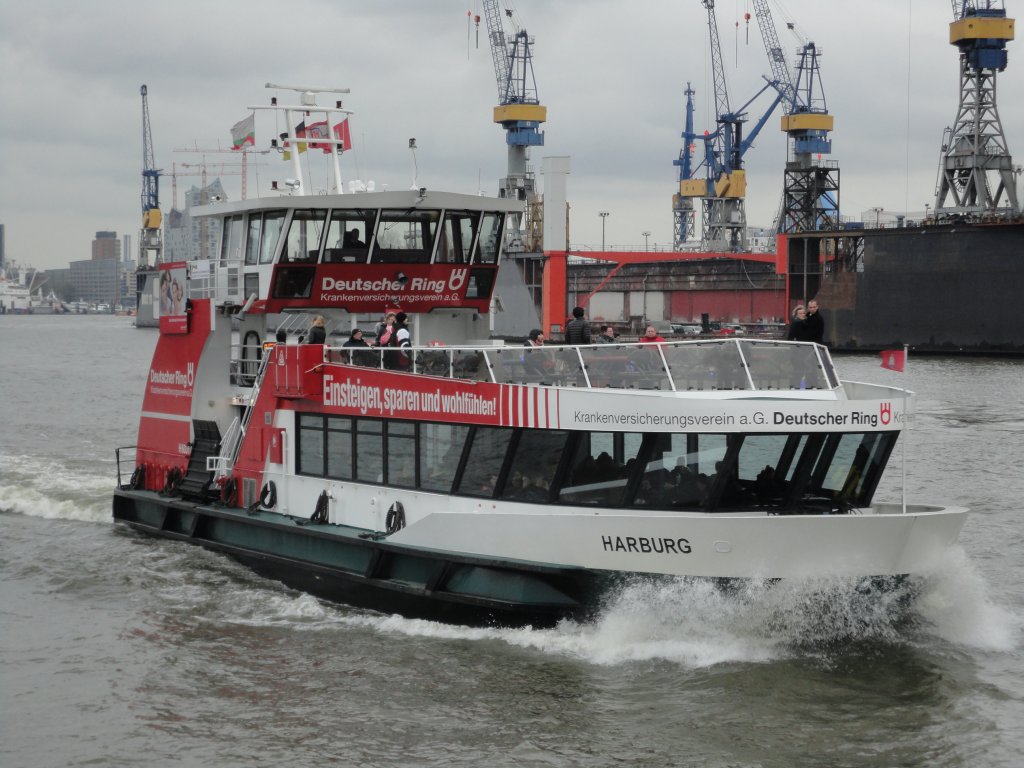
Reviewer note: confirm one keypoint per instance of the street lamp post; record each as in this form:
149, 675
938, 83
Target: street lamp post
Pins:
646, 235
603, 215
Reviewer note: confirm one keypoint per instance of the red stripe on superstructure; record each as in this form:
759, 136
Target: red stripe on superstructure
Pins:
547, 408
536, 407
558, 407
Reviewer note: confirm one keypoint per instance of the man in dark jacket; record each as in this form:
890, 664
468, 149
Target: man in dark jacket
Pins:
577, 330
814, 325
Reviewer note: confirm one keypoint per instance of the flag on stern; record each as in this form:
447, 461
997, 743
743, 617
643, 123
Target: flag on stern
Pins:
894, 359
244, 132
341, 132
300, 133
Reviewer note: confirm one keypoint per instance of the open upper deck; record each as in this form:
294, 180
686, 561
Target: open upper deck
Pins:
728, 364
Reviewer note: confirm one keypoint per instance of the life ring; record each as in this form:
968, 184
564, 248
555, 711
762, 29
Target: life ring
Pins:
138, 478
268, 496
395, 520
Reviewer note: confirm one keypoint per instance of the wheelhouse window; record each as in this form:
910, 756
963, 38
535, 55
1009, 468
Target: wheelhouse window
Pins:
231, 241
455, 245
405, 236
348, 236
491, 232
302, 243
264, 229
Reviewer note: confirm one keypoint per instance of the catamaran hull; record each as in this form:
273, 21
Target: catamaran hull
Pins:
488, 587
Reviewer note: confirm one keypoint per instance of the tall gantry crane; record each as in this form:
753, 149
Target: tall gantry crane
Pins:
811, 187
519, 111
683, 218
723, 192
150, 241
976, 175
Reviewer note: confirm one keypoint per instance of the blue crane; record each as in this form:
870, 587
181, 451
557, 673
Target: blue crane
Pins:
519, 111
682, 207
811, 188
723, 191
976, 173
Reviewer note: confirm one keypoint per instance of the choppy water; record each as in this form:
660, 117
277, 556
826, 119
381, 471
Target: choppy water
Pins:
118, 650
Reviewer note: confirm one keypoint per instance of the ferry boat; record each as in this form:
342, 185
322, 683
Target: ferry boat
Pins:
472, 481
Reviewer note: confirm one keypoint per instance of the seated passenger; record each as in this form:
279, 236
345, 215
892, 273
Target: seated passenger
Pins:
352, 240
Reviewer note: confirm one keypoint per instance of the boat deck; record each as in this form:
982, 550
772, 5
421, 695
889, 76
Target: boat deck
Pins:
728, 364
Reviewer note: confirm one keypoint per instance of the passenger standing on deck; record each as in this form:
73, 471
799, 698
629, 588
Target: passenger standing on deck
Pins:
355, 339
401, 338
814, 325
317, 331
797, 328
577, 330
607, 336
651, 336
384, 329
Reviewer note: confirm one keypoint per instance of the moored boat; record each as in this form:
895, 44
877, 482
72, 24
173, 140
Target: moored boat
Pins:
467, 480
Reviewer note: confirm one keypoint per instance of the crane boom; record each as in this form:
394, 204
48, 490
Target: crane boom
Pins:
776, 56
717, 68
499, 47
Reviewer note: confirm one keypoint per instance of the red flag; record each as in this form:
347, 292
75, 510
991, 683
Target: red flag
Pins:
341, 132
894, 359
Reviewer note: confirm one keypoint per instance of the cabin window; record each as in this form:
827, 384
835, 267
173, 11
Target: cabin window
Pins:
484, 461
490, 238
481, 281
405, 236
231, 242
252, 242
262, 238
455, 245
311, 444
302, 244
369, 451
535, 460
293, 282
440, 450
401, 459
599, 469
273, 223
348, 236
339, 448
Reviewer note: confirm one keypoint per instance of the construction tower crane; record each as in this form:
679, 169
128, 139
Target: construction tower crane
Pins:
683, 219
976, 175
811, 187
519, 111
150, 241
723, 192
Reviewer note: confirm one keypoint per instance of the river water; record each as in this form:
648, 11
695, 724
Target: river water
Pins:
120, 650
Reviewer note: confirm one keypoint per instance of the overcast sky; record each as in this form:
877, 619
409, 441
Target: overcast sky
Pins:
611, 74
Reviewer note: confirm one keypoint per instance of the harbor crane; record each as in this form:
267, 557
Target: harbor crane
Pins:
519, 111
683, 217
150, 240
723, 192
811, 186
976, 177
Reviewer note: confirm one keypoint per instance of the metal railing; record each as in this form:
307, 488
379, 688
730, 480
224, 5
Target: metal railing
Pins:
728, 364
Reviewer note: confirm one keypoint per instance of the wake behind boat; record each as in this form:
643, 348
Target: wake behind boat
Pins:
466, 480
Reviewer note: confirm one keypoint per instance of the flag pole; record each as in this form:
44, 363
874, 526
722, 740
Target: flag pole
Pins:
906, 423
